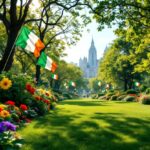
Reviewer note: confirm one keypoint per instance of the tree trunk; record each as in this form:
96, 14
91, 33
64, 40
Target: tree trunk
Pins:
57, 84
51, 83
125, 85
131, 83
7, 59
37, 75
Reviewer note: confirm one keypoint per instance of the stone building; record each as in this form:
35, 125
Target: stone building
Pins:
89, 65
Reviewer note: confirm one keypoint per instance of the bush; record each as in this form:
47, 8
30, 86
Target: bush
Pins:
94, 96
101, 94
129, 99
66, 95
145, 99
102, 97
114, 97
121, 97
143, 88
147, 91
110, 94
131, 91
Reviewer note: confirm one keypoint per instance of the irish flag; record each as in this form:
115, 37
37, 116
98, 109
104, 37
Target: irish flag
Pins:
73, 84
29, 41
55, 76
46, 62
137, 84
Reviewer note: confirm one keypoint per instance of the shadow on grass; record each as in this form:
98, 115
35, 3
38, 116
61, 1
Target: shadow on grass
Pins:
84, 103
61, 133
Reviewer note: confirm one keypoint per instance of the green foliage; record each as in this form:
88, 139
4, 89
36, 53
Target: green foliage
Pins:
40, 107
17, 92
94, 96
100, 94
147, 91
131, 91
131, 12
143, 88
53, 105
67, 95
121, 97
114, 97
145, 99
129, 98
10, 141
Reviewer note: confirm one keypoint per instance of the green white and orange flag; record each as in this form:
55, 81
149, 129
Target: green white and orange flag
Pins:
137, 84
55, 76
73, 84
46, 62
29, 41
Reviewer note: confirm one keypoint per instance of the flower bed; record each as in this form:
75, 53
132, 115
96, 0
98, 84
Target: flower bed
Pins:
20, 103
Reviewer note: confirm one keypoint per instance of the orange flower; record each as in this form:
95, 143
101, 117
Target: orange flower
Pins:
4, 114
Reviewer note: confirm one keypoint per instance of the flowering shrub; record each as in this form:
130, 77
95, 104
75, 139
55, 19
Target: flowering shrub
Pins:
21, 103
15, 89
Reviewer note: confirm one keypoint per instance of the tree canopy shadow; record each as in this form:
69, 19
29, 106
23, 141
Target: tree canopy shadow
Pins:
62, 133
84, 103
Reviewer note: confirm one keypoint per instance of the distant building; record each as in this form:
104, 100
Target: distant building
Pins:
90, 66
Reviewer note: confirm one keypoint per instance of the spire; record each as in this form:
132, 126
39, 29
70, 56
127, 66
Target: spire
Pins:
92, 57
92, 43
92, 47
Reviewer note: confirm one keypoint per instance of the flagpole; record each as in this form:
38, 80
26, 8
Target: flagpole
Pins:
11, 50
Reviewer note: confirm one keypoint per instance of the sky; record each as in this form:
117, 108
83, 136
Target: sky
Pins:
101, 40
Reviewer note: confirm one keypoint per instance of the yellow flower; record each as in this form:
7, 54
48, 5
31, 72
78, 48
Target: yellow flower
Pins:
5, 83
4, 114
2, 106
47, 93
41, 91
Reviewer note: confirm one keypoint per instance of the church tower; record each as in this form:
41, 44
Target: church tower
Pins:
92, 58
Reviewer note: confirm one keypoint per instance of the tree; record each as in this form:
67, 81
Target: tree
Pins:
116, 66
140, 39
122, 12
14, 14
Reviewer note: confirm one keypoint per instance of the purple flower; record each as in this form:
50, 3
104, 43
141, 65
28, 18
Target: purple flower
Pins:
5, 126
1, 127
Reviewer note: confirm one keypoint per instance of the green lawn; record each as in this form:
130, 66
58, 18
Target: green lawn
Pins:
91, 125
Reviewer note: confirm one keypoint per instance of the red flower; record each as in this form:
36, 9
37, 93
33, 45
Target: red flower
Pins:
23, 107
32, 90
28, 87
37, 97
47, 101
10, 103
41, 98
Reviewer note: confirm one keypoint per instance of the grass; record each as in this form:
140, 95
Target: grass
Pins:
91, 125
